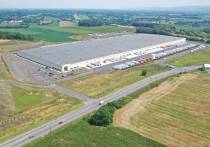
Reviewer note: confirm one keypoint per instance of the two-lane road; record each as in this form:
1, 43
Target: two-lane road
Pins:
90, 106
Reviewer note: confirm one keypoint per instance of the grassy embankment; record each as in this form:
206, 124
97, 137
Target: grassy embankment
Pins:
176, 113
30, 107
99, 85
196, 58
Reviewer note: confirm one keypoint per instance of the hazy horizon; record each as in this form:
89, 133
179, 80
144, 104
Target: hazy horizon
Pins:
102, 4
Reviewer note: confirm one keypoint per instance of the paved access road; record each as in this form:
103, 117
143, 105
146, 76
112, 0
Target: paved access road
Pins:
89, 106
70, 92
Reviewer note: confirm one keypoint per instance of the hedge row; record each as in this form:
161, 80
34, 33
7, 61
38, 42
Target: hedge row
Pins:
14, 36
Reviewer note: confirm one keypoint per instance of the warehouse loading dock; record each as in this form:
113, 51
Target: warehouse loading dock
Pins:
70, 57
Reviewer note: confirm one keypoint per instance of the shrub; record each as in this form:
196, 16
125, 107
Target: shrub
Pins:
144, 73
103, 116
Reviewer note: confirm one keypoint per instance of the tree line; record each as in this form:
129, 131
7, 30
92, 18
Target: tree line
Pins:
173, 30
15, 36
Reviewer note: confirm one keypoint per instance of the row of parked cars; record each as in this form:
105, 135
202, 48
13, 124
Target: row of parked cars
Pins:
105, 62
94, 65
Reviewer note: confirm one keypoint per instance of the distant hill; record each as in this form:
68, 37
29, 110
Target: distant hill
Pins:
196, 9
191, 9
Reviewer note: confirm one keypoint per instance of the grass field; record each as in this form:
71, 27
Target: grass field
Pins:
54, 33
26, 107
176, 113
4, 74
24, 99
81, 134
102, 84
196, 58
14, 45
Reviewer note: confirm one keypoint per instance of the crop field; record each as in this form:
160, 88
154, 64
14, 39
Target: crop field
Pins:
196, 58
176, 113
54, 33
80, 134
99, 85
25, 107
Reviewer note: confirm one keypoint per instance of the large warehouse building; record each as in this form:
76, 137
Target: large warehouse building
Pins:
72, 56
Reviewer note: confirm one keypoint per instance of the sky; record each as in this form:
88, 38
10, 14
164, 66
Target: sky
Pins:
100, 4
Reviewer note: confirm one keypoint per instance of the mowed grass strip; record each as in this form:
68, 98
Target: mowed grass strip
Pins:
177, 113
33, 106
196, 58
27, 98
99, 85
6, 100
81, 134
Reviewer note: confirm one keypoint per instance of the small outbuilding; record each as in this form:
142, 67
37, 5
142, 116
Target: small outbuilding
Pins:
206, 67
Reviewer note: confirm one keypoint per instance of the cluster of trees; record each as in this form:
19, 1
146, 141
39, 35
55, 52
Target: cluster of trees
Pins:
35, 16
14, 36
14, 26
200, 23
173, 30
104, 116
91, 22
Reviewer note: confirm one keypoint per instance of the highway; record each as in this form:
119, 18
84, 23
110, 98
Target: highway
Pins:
89, 106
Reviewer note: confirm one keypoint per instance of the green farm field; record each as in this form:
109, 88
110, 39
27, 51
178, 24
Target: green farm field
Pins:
81, 134
99, 85
196, 58
55, 33
26, 107
176, 113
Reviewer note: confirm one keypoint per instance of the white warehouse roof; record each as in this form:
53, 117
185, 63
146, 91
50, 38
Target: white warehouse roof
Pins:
69, 53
